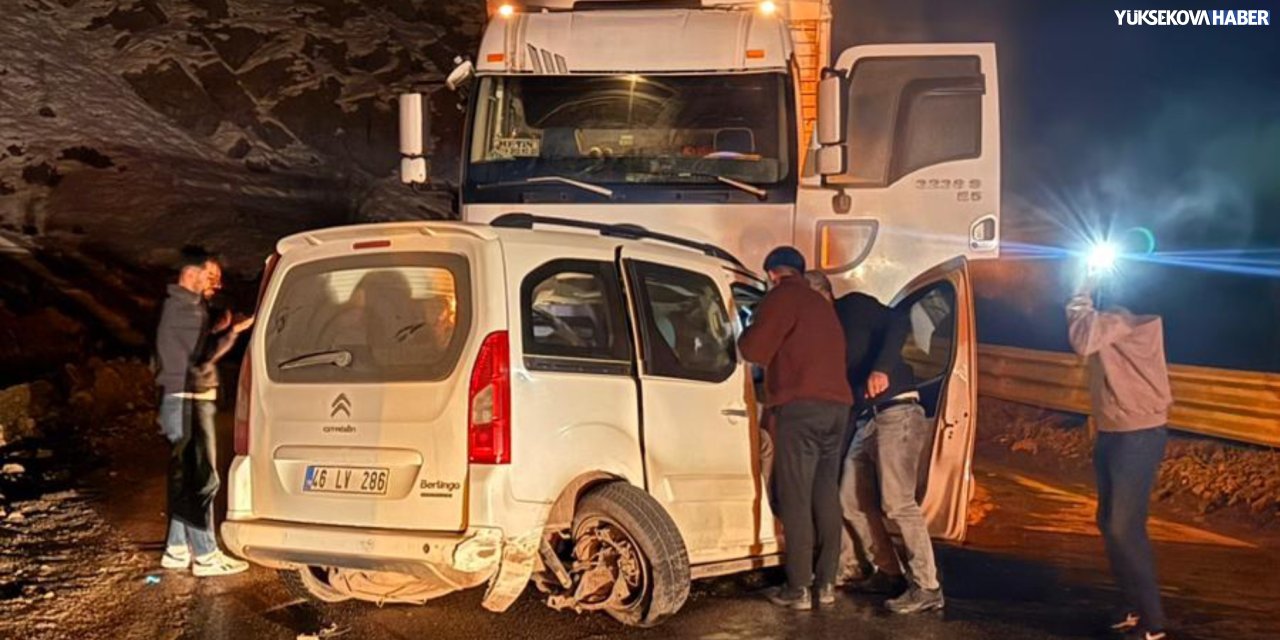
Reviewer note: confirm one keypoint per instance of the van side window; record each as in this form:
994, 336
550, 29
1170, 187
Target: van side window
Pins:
687, 329
573, 318
929, 349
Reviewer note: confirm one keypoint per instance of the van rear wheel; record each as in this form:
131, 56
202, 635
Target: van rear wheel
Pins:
311, 584
629, 557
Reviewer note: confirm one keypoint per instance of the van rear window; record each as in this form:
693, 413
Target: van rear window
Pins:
379, 318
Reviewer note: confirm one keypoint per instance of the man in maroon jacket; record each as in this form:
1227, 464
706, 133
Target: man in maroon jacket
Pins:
797, 337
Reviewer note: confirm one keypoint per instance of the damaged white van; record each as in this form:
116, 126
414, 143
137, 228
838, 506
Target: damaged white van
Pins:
430, 406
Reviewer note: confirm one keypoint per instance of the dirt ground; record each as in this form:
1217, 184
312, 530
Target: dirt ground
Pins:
1207, 480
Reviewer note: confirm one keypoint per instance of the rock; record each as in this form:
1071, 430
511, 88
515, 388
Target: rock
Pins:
239, 149
170, 90
41, 174
1025, 445
224, 89
235, 45
87, 155
13, 469
15, 517
270, 77
216, 9
132, 17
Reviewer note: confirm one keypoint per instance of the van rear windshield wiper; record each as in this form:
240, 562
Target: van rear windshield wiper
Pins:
337, 358
585, 186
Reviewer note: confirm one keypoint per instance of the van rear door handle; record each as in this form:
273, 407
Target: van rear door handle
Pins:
736, 413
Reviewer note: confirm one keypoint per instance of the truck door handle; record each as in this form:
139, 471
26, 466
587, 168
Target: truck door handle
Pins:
736, 413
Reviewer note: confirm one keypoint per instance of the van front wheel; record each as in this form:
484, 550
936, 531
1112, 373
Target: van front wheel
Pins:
629, 558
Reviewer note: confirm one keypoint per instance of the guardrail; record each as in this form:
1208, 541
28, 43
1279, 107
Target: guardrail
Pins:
1236, 405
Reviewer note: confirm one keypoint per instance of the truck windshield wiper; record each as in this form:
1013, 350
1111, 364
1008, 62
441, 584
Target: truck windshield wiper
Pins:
752, 189
337, 358
745, 186
585, 186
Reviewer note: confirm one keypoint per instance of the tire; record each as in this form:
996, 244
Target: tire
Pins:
310, 587
646, 523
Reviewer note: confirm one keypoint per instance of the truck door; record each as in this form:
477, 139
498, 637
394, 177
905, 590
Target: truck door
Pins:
910, 160
696, 427
941, 352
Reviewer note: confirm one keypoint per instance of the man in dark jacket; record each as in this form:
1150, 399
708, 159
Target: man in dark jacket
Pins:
797, 338
881, 471
187, 378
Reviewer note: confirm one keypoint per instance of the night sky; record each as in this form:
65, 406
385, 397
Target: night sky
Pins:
1175, 129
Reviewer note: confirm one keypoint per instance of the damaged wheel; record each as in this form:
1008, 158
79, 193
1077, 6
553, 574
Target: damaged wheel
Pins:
628, 557
311, 584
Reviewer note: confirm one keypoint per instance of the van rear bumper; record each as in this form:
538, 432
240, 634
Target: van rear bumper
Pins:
469, 557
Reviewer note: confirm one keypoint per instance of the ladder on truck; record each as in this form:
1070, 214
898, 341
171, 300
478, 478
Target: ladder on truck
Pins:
810, 23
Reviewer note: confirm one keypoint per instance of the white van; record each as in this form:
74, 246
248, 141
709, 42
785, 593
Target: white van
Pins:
432, 406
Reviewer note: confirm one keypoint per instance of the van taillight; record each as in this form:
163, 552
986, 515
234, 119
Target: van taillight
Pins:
489, 419
244, 385
244, 396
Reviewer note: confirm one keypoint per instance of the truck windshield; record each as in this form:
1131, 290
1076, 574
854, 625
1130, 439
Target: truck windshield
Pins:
632, 129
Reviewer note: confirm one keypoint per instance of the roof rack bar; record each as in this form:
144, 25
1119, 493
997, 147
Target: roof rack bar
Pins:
624, 230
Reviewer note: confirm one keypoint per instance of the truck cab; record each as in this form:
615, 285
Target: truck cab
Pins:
722, 120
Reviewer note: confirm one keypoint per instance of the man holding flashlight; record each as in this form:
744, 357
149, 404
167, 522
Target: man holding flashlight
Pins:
1129, 390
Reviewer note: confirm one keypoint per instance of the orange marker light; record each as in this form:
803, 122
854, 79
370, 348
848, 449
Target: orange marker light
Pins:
824, 251
506, 10
755, 54
768, 7
496, 57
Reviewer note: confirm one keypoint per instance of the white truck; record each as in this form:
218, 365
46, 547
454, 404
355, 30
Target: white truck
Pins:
555, 396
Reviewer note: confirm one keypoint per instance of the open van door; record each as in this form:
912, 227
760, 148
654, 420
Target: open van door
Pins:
942, 352
906, 174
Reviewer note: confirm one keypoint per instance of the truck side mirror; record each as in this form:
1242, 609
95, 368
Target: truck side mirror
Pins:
413, 164
461, 74
831, 154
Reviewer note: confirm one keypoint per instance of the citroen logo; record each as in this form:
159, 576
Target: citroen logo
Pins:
340, 403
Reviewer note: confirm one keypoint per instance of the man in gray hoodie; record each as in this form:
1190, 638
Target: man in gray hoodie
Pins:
186, 358
1129, 389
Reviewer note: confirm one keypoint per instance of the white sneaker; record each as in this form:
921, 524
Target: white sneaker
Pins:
176, 558
217, 564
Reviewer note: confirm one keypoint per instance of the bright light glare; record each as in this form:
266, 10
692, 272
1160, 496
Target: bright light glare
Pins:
506, 10
768, 7
1101, 258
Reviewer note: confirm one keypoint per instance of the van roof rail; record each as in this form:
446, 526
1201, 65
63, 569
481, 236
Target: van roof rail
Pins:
623, 230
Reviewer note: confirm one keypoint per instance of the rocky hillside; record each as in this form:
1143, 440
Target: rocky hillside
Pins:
136, 126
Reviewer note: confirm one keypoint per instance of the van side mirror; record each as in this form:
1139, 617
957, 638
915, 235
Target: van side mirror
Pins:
414, 125
831, 156
461, 74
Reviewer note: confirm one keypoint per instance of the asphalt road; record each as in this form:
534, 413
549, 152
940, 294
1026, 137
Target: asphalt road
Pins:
1033, 568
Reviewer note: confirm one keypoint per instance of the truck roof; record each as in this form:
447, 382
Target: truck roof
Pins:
635, 41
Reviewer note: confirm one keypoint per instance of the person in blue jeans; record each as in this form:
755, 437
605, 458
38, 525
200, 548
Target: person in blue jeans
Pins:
186, 356
1130, 398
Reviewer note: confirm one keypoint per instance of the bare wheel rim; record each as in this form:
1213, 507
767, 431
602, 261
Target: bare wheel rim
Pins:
615, 574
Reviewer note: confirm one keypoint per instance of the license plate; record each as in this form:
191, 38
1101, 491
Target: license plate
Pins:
359, 480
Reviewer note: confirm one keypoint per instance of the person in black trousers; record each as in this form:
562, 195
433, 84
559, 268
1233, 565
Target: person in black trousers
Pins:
797, 337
